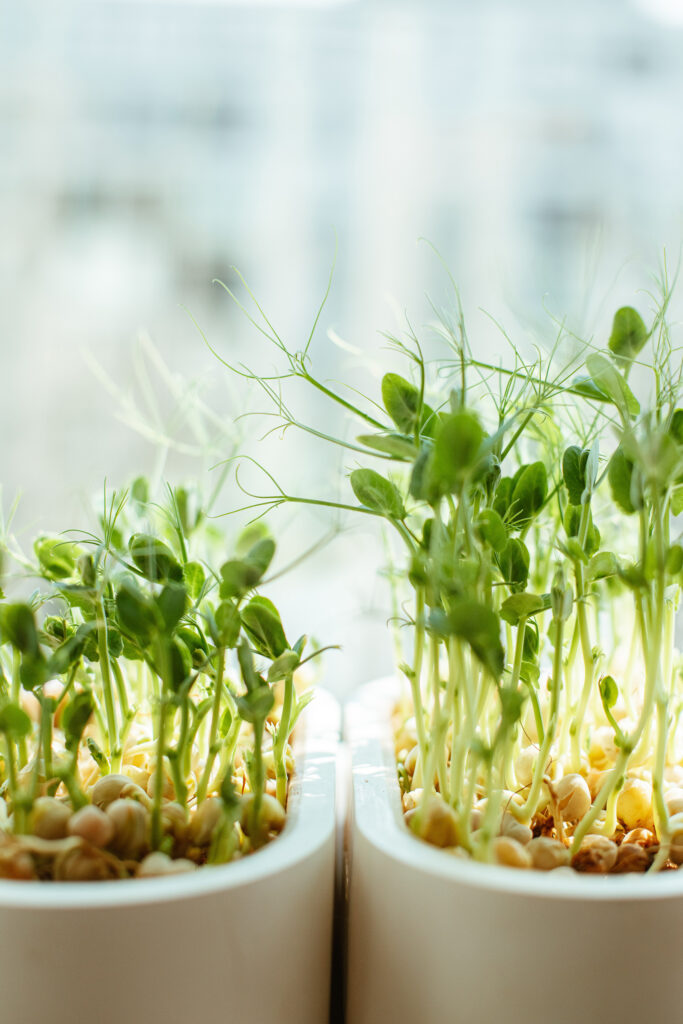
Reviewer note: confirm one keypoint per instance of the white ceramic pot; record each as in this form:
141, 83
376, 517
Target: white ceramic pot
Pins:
436, 939
248, 942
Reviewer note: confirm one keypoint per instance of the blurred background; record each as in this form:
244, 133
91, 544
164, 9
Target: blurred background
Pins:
147, 147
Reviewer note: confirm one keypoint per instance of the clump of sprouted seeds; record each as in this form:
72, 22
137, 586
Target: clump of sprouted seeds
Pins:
147, 698
539, 576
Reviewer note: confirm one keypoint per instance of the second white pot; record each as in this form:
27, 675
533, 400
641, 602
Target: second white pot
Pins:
436, 939
248, 942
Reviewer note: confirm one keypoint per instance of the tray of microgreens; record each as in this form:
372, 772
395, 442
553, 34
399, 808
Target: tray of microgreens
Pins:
147, 697
538, 572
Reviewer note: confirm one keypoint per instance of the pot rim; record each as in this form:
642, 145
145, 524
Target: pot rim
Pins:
309, 824
378, 817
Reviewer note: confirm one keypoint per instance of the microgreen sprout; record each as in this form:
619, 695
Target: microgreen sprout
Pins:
532, 507
147, 696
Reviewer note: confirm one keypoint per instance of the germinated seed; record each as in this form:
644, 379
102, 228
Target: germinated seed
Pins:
92, 824
107, 789
510, 853
596, 855
634, 804
131, 828
573, 797
50, 818
547, 853
436, 822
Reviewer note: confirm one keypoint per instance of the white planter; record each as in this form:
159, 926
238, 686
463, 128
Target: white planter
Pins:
248, 942
436, 939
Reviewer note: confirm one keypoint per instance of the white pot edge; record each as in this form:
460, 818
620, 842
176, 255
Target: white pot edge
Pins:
377, 815
310, 825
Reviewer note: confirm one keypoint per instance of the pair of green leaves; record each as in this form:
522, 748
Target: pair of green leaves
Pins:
580, 473
457, 456
605, 382
144, 616
520, 497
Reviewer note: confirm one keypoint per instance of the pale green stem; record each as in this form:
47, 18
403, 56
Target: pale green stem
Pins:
213, 745
526, 812
281, 739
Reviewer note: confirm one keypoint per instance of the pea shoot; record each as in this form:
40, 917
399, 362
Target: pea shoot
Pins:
531, 512
148, 695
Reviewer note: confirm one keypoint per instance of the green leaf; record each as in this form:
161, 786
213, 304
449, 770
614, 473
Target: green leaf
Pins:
241, 575
250, 536
153, 558
422, 486
18, 626
139, 490
674, 559
376, 493
402, 401
194, 577
77, 595
513, 562
620, 477
256, 704
530, 672
607, 378
86, 570
14, 722
602, 565
172, 603
283, 666
531, 641
136, 613
261, 621
609, 692
71, 650
57, 557
252, 680
476, 624
503, 496
572, 526
76, 716
584, 386
491, 529
173, 662
573, 474
629, 335
180, 667
457, 449
228, 624
225, 722
511, 704
528, 495
522, 606
677, 500
195, 644
56, 628
397, 445
676, 426
33, 671
561, 596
